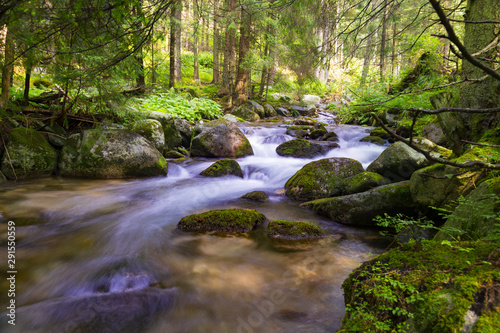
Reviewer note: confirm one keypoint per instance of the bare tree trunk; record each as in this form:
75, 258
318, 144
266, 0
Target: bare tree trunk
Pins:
196, 26
393, 58
229, 51
383, 40
216, 43
174, 26
28, 67
265, 71
368, 51
243, 75
178, 44
7, 70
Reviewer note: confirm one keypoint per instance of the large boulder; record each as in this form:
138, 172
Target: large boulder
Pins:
152, 130
398, 162
282, 111
220, 138
364, 181
435, 133
225, 220
178, 132
270, 111
361, 208
475, 216
441, 185
245, 112
322, 179
257, 108
131, 311
311, 99
111, 153
299, 148
28, 155
224, 167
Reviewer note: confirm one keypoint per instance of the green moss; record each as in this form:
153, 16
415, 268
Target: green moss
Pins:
364, 181
373, 139
424, 286
294, 230
259, 196
226, 220
223, 167
300, 148
380, 132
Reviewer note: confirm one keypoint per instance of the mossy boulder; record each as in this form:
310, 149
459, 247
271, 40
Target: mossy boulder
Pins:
398, 162
270, 111
294, 230
380, 132
178, 132
56, 135
257, 108
440, 185
28, 155
220, 138
330, 136
245, 112
307, 131
429, 286
224, 167
299, 148
435, 133
364, 181
282, 111
259, 196
322, 179
152, 130
111, 153
306, 121
361, 208
373, 139
434, 149
476, 215
225, 220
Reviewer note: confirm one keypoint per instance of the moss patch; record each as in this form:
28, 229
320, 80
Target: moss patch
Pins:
225, 220
299, 148
259, 196
373, 139
294, 230
223, 167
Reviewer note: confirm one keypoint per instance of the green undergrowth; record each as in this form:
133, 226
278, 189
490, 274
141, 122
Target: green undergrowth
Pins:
426, 287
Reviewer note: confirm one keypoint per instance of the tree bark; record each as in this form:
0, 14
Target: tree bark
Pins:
7, 69
173, 43
383, 40
178, 41
243, 74
216, 43
196, 26
229, 50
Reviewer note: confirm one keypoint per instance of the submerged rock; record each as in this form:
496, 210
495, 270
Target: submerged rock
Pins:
107, 153
293, 235
223, 167
398, 162
259, 196
28, 155
361, 208
322, 179
129, 312
220, 138
299, 148
225, 220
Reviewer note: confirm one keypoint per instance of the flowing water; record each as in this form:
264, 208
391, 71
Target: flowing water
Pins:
77, 238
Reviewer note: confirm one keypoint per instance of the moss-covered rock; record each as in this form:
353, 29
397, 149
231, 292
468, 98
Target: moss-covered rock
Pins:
173, 154
434, 132
56, 135
257, 108
306, 121
426, 287
225, 220
152, 130
299, 148
245, 112
178, 132
361, 208
476, 215
440, 185
373, 139
224, 167
270, 111
364, 181
107, 153
318, 133
398, 162
330, 136
294, 230
380, 132
434, 149
220, 138
321, 179
28, 155
259, 196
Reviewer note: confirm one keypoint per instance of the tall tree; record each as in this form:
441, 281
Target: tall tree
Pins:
243, 74
216, 43
227, 85
196, 27
8, 67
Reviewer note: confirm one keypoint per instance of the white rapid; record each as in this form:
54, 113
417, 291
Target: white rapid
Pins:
83, 237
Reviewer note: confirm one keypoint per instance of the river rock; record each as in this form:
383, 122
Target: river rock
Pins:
476, 216
56, 135
373, 139
225, 220
245, 112
178, 132
434, 149
105, 153
311, 99
220, 138
282, 111
28, 155
434, 186
299, 148
364, 181
398, 162
257, 108
306, 121
322, 179
259, 196
270, 111
435, 133
128, 312
330, 136
380, 132
361, 208
223, 167
152, 130
300, 110
293, 235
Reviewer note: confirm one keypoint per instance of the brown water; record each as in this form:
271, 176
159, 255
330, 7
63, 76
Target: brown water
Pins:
78, 238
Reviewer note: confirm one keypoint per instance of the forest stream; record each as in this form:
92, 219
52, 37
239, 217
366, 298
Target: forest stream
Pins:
80, 237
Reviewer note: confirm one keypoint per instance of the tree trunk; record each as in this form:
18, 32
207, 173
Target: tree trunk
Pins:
265, 71
383, 40
243, 75
229, 51
178, 43
196, 26
173, 42
393, 58
216, 44
483, 94
7, 70
367, 59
